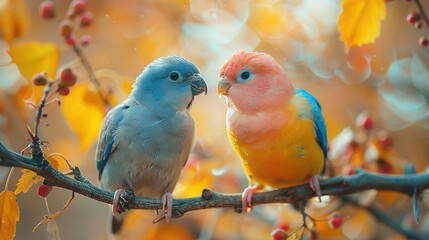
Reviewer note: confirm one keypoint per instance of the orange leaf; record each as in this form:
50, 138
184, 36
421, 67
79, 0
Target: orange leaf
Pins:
27, 180
9, 214
359, 22
14, 19
83, 109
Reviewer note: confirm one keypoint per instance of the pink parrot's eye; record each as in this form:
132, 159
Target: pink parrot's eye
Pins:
244, 76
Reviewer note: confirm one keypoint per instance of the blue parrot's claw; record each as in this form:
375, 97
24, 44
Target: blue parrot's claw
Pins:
167, 208
246, 197
121, 200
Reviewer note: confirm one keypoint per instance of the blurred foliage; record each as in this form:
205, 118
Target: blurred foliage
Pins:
384, 71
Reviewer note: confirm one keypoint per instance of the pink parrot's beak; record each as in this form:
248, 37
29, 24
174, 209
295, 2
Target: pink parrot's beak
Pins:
223, 86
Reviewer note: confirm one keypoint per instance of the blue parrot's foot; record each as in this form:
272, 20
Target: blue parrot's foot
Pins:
116, 197
167, 208
246, 197
314, 184
121, 200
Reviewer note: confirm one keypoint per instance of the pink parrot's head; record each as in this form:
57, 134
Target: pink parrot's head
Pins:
253, 82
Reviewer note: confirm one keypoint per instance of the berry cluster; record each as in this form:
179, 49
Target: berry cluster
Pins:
76, 13
416, 19
67, 79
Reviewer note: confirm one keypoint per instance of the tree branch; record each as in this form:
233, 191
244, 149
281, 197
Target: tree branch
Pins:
341, 185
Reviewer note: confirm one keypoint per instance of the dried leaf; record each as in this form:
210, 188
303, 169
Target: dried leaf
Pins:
84, 105
9, 214
27, 180
55, 215
359, 22
14, 19
54, 230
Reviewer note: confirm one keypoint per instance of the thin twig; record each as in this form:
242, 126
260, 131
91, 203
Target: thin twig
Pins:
90, 71
422, 12
382, 217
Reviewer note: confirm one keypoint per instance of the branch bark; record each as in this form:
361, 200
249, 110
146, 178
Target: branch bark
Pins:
341, 185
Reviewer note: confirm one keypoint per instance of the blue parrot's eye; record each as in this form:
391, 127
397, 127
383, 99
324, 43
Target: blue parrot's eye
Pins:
174, 75
244, 76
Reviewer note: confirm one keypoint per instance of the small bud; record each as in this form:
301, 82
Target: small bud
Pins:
418, 25
335, 220
78, 6
64, 91
364, 121
71, 41
44, 190
314, 234
413, 17
85, 40
408, 1
423, 41
68, 78
40, 79
86, 19
384, 167
66, 28
47, 10
44, 115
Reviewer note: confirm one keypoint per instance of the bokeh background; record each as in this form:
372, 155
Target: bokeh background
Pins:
388, 79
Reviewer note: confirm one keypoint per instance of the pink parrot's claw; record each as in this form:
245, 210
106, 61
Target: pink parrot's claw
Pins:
116, 197
246, 197
314, 184
167, 208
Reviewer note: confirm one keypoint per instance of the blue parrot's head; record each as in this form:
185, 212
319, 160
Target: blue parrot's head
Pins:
171, 81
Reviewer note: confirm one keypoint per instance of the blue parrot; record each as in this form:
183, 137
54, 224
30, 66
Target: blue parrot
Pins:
145, 141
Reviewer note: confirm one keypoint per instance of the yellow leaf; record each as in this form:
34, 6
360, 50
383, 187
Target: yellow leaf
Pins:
27, 180
14, 19
359, 22
34, 57
84, 109
9, 214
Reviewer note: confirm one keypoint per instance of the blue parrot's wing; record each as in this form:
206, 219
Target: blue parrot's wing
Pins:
319, 123
107, 140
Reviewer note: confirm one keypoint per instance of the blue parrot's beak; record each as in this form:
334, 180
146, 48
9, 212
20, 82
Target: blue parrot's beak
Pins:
198, 85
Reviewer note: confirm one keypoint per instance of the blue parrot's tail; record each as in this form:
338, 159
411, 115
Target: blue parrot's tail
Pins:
114, 223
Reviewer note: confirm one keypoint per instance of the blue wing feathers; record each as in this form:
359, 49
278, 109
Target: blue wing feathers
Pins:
319, 123
100, 164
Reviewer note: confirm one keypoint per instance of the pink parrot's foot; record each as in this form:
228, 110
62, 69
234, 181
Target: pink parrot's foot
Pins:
314, 184
116, 197
121, 200
246, 197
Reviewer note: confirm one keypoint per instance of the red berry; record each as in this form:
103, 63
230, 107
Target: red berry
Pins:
279, 234
64, 90
413, 17
384, 168
86, 19
85, 40
423, 41
66, 28
385, 140
78, 6
68, 78
335, 220
40, 79
47, 10
70, 41
283, 226
364, 121
407, 0
44, 190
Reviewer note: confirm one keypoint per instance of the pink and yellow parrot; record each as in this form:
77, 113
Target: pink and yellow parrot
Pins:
278, 131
